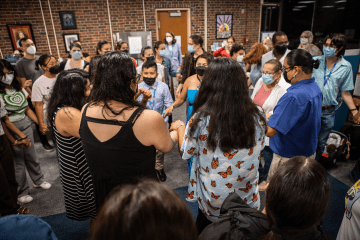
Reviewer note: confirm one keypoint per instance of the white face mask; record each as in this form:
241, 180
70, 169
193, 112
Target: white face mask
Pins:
169, 39
304, 40
240, 58
7, 79
31, 50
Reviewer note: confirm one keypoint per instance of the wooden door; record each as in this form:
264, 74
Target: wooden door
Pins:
176, 24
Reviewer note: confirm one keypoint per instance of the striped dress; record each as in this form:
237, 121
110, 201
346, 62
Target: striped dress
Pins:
75, 178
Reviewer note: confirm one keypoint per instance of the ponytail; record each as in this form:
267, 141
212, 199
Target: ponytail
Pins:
37, 65
42, 61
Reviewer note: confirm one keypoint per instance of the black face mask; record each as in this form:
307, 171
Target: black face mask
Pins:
286, 78
281, 49
200, 70
55, 69
125, 51
149, 81
150, 58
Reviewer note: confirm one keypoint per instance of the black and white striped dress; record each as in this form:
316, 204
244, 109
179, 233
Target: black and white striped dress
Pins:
75, 178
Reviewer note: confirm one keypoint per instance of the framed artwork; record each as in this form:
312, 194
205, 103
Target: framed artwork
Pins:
268, 34
68, 39
18, 31
224, 26
68, 20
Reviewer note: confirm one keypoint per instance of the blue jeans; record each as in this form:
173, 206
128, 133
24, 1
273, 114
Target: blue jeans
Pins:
327, 123
268, 156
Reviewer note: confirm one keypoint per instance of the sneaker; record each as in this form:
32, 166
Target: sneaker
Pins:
47, 147
25, 199
44, 185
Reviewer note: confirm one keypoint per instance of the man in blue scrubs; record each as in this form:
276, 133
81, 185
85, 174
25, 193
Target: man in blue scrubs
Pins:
295, 125
334, 77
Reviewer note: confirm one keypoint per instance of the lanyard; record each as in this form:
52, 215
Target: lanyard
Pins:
326, 78
152, 103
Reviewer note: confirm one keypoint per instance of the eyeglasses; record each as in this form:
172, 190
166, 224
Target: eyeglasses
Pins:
283, 43
270, 73
283, 69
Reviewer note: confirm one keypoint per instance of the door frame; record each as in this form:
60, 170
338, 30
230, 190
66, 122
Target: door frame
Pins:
173, 9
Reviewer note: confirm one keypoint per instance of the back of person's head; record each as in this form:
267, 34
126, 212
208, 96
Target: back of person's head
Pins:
147, 210
22, 40
197, 39
277, 34
236, 48
255, 54
149, 64
339, 40
302, 59
297, 197
15, 83
99, 45
208, 56
115, 75
224, 94
93, 66
43, 61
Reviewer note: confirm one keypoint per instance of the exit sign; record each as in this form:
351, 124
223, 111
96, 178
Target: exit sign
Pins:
175, 14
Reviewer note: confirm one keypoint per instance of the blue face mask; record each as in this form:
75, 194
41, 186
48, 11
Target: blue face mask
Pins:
191, 48
76, 55
162, 53
329, 52
267, 78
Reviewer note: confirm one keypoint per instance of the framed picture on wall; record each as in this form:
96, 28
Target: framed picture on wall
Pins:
224, 26
68, 39
18, 31
68, 20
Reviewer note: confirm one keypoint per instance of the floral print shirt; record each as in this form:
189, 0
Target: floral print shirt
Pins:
214, 175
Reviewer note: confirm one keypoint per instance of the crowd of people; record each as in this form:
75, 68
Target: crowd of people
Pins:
110, 118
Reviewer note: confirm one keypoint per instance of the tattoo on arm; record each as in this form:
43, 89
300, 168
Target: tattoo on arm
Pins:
67, 112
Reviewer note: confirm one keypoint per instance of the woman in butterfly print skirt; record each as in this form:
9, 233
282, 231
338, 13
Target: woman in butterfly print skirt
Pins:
225, 150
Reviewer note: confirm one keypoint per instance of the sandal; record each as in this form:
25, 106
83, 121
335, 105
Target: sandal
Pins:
23, 210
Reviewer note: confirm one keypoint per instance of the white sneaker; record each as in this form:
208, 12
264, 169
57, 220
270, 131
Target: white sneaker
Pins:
44, 185
25, 199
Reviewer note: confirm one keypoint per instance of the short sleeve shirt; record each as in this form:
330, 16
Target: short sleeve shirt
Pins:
16, 103
297, 118
214, 175
26, 69
42, 90
3, 113
341, 79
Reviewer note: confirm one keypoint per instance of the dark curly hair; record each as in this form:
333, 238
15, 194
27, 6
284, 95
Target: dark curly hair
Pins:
255, 54
15, 83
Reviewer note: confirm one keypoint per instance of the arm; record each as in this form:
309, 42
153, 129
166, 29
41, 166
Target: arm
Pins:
180, 55
25, 84
271, 131
181, 134
39, 109
180, 100
12, 127
346, 95
31, 115
217, 53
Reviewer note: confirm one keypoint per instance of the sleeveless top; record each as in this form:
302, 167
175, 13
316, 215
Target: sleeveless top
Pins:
191, 95
121, 159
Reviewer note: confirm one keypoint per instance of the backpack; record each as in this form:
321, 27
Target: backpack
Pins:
353, 134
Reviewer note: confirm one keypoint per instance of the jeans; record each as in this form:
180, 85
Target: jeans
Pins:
327, 123
268, 156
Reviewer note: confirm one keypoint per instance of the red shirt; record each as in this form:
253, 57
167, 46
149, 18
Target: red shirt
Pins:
261, 96
221, 52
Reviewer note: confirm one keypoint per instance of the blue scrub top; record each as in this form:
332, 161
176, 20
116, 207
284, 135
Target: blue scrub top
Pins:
341, 79
297, 118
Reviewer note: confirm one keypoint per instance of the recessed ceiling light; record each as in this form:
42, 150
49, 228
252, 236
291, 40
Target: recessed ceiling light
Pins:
299, 6
342, 8
296, 9
327, 6
342, 1
306, 2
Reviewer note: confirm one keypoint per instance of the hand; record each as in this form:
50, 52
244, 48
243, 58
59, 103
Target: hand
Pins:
27, 83
268, 115
356, 117
146, 93
178, 91
176, 124
25, 143
43, 129
178, 77
168, 111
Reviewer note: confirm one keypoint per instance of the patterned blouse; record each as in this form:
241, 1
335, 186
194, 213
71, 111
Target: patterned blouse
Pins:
3, 113
214, 175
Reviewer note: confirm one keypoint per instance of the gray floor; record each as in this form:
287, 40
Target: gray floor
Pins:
50, 202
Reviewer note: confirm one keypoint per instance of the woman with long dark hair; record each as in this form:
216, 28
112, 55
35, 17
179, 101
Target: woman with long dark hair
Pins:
25, 158
119, 137
71, 90
224, 137
103, 47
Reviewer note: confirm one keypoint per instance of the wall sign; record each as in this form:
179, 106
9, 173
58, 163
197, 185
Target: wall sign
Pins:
224, 26
18, 31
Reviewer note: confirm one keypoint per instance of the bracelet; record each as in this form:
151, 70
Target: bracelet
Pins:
180, 126
23, 138
173, 106
353, 109
15, 142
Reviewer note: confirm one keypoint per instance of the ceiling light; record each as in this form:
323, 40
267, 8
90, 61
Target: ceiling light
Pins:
327, 6
299, 6
342, 1
296, 9
306, 2
342, 8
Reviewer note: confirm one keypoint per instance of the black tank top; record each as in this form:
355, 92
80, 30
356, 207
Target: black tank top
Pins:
121, 159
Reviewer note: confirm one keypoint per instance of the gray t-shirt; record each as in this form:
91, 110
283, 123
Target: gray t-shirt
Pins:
26, 69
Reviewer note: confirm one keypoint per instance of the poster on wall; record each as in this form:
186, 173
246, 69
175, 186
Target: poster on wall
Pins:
67, 19
267, 34
18, 31
135, 45
68, 39
224, 26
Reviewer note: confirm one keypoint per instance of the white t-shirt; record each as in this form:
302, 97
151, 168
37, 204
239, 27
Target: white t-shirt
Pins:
160, 70
41, 91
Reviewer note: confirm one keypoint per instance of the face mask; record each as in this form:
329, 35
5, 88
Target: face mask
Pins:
200, 70
281, 49
152, 58
149, 81
31, 50
286, 78
55, 69
191, 48
304, 40
162, 53
267, 78
76, 55
7, 79
329, 51
267, 48
125, 51
239, 58
169, 39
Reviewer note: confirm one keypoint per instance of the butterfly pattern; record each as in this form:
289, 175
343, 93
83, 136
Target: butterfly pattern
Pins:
216, 174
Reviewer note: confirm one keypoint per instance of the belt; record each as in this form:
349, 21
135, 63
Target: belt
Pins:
327, 107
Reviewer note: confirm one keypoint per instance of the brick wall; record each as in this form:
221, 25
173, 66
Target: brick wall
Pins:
126, 15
